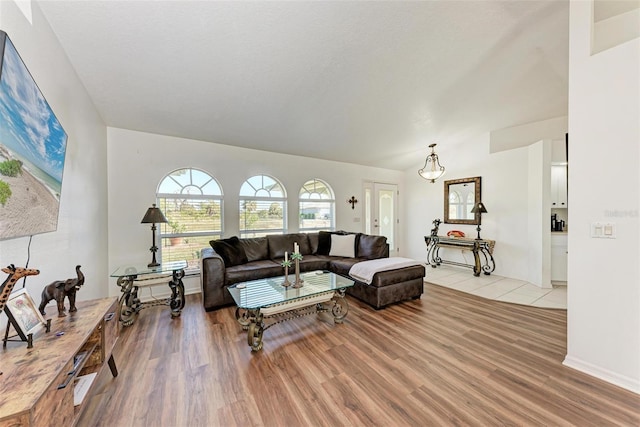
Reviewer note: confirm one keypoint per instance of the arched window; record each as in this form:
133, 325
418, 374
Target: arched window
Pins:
191, 200
263, 203
317, 206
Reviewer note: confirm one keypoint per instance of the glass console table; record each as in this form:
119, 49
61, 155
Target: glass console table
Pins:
132, 277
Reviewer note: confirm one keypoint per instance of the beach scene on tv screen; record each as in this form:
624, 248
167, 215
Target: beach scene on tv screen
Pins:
32, 153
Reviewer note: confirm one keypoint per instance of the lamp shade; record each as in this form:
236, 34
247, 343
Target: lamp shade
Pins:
153, 216
432, 169
479, 208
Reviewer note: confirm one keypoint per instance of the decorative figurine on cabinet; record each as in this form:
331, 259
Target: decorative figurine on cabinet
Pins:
436, 225
15, 274
60, 289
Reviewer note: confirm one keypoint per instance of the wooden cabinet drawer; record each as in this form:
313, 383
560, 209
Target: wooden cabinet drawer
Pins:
111, 329
55, 406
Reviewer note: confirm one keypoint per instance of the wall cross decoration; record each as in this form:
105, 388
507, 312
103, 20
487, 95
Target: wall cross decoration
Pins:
353, 202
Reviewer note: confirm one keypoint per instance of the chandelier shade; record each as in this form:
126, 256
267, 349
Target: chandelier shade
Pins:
432, 169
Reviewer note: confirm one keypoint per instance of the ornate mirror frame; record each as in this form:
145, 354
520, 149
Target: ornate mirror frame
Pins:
477, 180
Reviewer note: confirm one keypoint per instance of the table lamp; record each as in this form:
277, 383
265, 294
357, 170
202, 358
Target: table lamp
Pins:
153, 216
479, 209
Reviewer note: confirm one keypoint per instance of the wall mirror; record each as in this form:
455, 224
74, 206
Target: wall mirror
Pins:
460, 195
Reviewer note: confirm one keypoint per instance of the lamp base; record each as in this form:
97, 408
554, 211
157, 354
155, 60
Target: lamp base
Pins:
478, 230
153, 264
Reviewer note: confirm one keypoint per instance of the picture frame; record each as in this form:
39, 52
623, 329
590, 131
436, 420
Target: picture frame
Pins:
23, 314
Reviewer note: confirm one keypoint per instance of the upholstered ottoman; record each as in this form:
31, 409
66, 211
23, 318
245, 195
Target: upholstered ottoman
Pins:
390, 286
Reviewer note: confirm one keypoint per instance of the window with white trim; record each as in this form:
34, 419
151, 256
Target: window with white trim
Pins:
317, 206
263, 207
191, 200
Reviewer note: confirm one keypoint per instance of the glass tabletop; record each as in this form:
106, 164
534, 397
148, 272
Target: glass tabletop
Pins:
141, 269
264, 292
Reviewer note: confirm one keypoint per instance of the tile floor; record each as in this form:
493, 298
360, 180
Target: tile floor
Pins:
498, 288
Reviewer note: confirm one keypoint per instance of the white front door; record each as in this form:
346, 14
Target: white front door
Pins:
382, 212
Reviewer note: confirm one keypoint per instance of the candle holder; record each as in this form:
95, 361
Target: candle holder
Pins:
286, 265
298, 281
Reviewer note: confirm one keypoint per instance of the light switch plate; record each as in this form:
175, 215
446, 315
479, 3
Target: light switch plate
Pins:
603, 230
609, 230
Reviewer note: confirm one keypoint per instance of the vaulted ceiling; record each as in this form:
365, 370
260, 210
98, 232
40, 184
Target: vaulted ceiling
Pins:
372, 83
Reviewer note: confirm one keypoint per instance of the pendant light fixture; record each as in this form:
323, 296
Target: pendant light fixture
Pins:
431, 169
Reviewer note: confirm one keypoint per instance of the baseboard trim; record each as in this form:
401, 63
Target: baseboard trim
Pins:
614, 378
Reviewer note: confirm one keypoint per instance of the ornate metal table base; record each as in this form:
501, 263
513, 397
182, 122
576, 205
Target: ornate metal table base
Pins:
256, 321
479, 248
130, 304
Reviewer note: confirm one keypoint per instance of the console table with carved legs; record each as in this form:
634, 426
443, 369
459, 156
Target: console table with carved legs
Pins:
482, 250
131, 278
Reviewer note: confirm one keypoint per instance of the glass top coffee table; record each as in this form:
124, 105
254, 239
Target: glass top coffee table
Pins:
263, 303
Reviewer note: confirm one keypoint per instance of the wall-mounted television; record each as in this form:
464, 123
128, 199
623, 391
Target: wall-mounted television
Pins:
32, 151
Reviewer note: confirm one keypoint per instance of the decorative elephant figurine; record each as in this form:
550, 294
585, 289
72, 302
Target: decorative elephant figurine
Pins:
60, 289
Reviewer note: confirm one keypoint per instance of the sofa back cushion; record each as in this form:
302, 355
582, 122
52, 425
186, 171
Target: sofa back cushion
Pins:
281, 243
230, 250
372, 247
313, 242
256, 248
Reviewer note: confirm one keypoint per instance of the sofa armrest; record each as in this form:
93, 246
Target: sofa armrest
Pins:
212, 274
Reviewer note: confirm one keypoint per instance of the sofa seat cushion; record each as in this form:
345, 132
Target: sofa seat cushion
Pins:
312, 263
252, 271
391, 277
342, 266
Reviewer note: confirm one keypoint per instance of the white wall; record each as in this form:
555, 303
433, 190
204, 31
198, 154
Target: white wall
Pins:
504, 193
138, 161
524, 135
81, 237
539, 236
604, 156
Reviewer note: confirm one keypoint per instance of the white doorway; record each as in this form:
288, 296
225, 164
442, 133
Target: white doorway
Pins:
381, 212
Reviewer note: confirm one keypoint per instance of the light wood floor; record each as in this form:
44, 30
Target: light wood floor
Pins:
447, 359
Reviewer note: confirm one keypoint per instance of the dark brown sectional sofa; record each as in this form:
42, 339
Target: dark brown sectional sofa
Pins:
235, 260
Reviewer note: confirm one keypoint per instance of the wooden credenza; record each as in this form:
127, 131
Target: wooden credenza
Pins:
37, 385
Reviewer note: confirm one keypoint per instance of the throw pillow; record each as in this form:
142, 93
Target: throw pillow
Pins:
230, 250
372, 247
324, 243
343, 245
